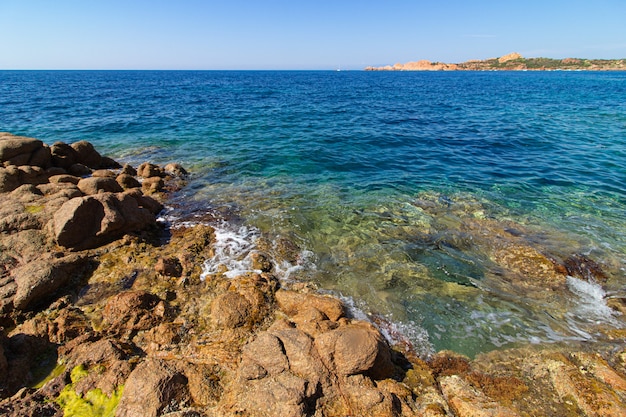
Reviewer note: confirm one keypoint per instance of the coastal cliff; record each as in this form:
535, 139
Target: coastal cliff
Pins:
106, 311
511, 62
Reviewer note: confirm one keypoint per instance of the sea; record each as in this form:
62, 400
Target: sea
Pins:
435, 204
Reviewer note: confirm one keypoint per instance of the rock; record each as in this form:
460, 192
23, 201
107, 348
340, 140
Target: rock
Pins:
267, 352
261, 262
41, 157
147, 170
39, 279
129, 170
51, 171
230, 310
150, 388
95, 185
303, 359
127, 181
9, 179
509, 57
355, 348
12, 146
152, 185
466, 401
175, 170
63, 155
103, 173
79, 170
64, 178
109, 163
169, 267
87, 155
282, 395
144, 201
87, 222
133, 310
581, 266
24, 354
292, 303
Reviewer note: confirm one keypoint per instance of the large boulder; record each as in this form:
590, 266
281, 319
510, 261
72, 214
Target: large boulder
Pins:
13, 146
95, 185
87, 222
38, 280
356, 348
63, 155
87, 154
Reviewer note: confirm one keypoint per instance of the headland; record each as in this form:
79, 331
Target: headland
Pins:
511, 62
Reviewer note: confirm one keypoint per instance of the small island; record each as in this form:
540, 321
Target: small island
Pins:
511, 62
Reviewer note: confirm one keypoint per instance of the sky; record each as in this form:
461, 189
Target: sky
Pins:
300, 34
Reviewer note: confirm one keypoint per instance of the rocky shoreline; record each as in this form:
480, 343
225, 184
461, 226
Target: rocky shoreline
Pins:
105, 312
510, 62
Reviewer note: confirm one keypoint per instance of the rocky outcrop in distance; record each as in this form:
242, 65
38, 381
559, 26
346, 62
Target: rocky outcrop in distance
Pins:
510, 62
106, 313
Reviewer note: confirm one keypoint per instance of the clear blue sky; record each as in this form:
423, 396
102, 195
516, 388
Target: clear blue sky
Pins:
298, 34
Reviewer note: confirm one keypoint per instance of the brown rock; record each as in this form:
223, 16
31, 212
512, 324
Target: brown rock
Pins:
63, 155
169, 267
41, 157
103, 173
32, 175
129, 170
11, 146
127, 181
152, 185
79, 170
267, 352
95, 185
132, 310
467, 401
355, 348
109, 163
147, 170
105, 360
282, 395
150, 388
40, 279
261, 261
87, 222
303, 359
230, 310
9, 179
581, 266
175, 170
64, 178
51, 171
292, 302
87, 155
144, 201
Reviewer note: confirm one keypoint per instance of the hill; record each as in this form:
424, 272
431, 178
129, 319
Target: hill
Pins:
511, 62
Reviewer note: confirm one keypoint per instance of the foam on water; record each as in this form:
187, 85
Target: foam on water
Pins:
231, 250
591, 302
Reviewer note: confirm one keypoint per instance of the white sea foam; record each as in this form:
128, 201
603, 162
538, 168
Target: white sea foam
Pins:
231, 250
590, 304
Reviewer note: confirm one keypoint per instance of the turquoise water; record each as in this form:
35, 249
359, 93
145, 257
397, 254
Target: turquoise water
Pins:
400, 189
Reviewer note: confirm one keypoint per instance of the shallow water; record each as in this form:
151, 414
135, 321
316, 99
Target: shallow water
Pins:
403, 191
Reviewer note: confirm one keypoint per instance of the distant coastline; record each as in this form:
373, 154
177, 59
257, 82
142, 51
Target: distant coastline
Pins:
511, 62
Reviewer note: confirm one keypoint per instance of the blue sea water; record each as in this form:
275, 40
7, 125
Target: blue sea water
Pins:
393, 184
